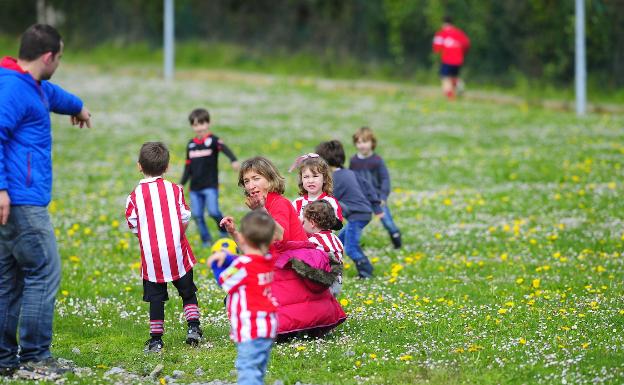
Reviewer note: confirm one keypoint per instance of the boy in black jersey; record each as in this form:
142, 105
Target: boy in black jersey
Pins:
202, 168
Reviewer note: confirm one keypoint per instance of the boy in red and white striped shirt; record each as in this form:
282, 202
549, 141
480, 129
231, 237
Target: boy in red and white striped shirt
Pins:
318, 220
157, 213
251, 308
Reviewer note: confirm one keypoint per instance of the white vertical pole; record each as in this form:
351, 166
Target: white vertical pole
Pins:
169, 49
580, 67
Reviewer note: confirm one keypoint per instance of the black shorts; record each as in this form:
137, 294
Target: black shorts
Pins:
157, 292
448, 70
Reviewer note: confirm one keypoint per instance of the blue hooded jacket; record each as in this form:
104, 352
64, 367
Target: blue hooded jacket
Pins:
26, 133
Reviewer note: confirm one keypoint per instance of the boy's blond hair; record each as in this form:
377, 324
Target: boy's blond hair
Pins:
267, 169
365, 134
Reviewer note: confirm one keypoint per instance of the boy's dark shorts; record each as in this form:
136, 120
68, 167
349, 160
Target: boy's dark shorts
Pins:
448, 70
157, 292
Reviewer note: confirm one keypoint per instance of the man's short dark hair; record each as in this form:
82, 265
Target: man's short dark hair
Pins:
257, 227
154, 158
37, 40
199, 115
332, 152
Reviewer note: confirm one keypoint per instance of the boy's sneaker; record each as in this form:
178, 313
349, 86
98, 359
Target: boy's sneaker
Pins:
194, 335
396, 240
153, 345
46, 367
364, 268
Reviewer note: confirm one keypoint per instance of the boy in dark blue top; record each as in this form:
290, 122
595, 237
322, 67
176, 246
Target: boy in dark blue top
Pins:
358, 201
370, 166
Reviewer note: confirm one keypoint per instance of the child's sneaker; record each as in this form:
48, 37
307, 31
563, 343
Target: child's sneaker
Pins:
194, 335
153, 345
396, 240
364, 268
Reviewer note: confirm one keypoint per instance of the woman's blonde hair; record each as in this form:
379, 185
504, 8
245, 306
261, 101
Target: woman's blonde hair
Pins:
319, 166
262, 166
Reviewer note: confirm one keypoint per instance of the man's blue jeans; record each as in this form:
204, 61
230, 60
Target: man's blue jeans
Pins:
30, 274
388, 222
252, 361
199, 200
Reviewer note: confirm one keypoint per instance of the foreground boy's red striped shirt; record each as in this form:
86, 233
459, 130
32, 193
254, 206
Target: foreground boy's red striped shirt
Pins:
156, 211
250, 306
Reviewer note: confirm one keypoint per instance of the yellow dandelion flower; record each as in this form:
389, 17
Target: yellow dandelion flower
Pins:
504, 257
65, 293
406, 357
535, 283
344, 302
502, 311
162, 381
437, 236
519, 281
600, 269
611, 185
469, 209
373, 356
509, 304
74, 258
300, 348
522, 341
492, 229
115, 223
621, 312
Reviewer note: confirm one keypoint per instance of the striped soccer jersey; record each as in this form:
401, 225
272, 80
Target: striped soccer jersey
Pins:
300, 203
251, 308
328, 241
155, 212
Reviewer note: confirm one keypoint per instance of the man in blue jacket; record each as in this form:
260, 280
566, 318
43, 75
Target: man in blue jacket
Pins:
30, 267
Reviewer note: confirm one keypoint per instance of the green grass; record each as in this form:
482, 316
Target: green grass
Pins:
197, 54
511, 215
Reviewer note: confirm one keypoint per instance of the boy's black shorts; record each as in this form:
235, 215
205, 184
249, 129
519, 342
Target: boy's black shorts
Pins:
157, 292
448, 70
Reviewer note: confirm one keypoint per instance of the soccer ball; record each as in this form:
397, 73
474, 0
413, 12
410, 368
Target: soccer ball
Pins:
225, 244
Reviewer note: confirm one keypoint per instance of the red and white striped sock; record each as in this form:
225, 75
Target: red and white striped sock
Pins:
157, 327
191, 312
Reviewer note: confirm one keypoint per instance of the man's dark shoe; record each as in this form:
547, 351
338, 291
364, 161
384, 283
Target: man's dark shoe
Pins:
153, 345
7, 372
194, 335
396, 240
46, 367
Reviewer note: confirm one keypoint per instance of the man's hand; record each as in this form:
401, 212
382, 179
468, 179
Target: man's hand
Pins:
5, 207
83, 118
236, 165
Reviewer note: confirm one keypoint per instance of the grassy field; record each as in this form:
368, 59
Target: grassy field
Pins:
512, 270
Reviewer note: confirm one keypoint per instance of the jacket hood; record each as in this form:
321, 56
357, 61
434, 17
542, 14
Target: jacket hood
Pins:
10, 63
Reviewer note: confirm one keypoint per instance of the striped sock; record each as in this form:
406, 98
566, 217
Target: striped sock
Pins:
191, 312
157, 327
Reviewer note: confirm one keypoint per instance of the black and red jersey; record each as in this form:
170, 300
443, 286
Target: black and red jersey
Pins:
202, 162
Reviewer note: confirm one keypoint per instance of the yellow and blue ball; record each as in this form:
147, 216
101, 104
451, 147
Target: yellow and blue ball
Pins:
225, 244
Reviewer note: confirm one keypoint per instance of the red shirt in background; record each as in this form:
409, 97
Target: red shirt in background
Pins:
452, 43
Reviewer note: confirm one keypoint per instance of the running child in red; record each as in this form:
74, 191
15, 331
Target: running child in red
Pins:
251, 308
157, 213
